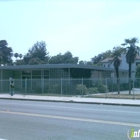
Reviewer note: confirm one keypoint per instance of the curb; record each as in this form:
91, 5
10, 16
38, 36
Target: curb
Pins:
71, 101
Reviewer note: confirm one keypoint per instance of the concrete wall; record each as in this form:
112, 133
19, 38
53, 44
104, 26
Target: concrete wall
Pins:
123, 64
108, 65
96, 74
17, 75
6, 74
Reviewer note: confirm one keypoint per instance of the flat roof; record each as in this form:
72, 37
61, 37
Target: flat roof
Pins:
54, 66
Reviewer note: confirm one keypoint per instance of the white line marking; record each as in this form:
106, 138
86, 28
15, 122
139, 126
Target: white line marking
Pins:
93, 109
71, 118
2, 139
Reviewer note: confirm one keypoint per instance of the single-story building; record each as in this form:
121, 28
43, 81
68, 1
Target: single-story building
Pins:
56, 71
36, 74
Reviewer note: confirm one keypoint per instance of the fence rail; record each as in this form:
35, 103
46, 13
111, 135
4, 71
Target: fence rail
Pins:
106, 87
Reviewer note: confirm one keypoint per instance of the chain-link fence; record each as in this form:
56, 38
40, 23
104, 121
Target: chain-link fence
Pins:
106, 87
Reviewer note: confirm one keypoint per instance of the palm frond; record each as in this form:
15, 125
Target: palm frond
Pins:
123, 44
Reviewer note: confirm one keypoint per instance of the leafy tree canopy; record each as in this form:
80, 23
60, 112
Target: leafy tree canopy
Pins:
63, 58
131, 49
97, 59
85, 62
116, 51
6, 53
37, 54
34, 61
16, 55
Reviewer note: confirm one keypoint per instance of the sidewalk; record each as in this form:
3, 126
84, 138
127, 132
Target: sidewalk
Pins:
126, 102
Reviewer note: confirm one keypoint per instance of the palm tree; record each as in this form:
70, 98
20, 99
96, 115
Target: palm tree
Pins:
16, 55
131, 52
20, 55
116, 63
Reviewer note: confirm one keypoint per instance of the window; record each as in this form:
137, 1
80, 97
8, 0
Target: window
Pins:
36, 74
26, 74
46, 74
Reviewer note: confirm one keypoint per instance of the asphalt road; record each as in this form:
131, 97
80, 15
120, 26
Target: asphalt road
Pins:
29, 120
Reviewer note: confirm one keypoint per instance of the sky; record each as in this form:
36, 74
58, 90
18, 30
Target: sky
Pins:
83, 27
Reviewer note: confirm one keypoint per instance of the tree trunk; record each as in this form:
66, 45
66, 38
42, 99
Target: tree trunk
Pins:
129, 78
118, 85
118, 81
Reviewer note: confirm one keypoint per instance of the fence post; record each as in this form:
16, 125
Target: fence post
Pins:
61, 87
82, 87
112, 85
42, 85
106, 86
1, 84
133, 91
25, 85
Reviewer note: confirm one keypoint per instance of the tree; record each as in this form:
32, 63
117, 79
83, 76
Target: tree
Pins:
66, 58
34, 61
6, 53
20, 55
85, 62
116, 63
82, 62
97, 59
131, 52
16, 55
37, 54
117, 51
20, 62
26, 58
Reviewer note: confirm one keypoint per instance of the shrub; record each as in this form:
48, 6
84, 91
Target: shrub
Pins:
113, 87
70, 90
81, 87
38, 90
101, 87
93, 90
56, 88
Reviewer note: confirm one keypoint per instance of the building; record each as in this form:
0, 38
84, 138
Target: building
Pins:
55, 71
108, 63
43, 76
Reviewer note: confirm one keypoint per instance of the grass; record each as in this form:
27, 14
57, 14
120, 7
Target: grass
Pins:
103, 95
48, 94
116, 96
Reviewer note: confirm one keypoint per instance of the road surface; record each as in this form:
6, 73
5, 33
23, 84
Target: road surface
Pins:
32, 120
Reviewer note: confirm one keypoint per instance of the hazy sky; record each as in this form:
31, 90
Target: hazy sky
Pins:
84, 27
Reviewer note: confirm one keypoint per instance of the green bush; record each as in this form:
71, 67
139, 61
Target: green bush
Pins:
56, 88
93, 90
69, 90
81, 87
113, 87
38, 90
101, 87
